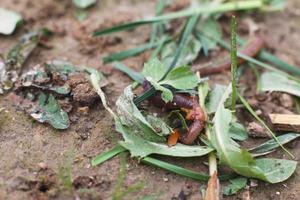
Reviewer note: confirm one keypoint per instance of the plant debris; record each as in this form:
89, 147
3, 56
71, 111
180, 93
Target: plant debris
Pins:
51, 91
11, 66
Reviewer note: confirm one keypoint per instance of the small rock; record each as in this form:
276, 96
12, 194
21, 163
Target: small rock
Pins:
83, 110
277, 193
253, 183
165, 179
256, 130
286, 100
42, 166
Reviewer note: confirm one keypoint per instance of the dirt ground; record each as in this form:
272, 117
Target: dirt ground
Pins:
36, 159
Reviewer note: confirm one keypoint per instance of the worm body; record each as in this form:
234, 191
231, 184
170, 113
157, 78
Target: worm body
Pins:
190, 106
251, 50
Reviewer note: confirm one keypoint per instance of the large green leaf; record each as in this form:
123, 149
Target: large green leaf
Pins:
141, 138
272, 81
8, 21
48, 110
240, 160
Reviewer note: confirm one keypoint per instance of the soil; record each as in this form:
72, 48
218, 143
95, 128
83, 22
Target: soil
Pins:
38, 162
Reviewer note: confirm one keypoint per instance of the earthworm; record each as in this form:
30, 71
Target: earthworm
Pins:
251, 49
187, 104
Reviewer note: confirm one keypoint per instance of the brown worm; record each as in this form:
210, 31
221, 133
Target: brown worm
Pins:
187, 104
251, 49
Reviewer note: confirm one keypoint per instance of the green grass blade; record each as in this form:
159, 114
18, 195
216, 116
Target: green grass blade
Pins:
136, 76
158, 26
127, 53
147, 94
182, 171
264, 55
252, 112
234, 65
107, 155
132, 52
176, 169
225, 7
272, 144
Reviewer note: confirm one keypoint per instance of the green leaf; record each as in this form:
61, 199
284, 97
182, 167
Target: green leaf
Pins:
101, 158
50, 112
141, 138
214, 98
203, 90
272, 144
8, 21
155, 69
235, 186
272, 81
241, 160
237, 131
141, 147
225, 7
83, 4
213, 28
181, 78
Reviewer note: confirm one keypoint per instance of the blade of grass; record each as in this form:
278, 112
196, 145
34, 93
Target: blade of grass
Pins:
107, 155
252, 112
225, 7
280, 64
233, 52
159, 47
158, 27
132, 52
136, 76
182, 171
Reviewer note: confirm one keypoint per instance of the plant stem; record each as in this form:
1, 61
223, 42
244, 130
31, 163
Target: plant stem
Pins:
212, 160
233, 52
